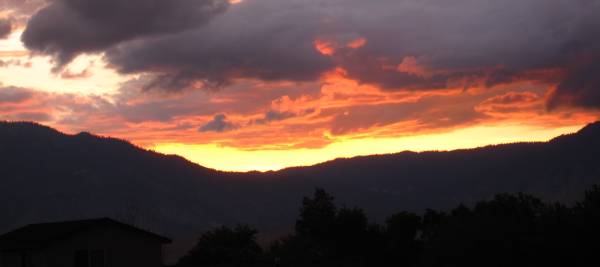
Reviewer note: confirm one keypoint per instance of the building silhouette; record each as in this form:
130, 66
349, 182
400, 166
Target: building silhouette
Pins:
86, 243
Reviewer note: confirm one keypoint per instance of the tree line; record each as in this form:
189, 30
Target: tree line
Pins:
507, 230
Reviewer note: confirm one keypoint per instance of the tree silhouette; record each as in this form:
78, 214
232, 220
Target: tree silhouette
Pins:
587, 220
352, 237
326, 236
507, 230
401, 234
317, 216
431, 223
225, 247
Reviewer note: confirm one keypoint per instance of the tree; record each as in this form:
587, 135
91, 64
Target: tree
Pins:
401, 235
431, 224
352, 239
587, 213
504, 231
317, 216
225, 247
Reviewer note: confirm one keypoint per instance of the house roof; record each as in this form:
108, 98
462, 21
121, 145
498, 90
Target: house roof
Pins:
41, 235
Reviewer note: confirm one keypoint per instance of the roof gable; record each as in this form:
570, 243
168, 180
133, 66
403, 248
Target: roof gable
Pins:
40, 235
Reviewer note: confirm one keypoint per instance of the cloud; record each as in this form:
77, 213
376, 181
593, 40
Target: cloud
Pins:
14, 62
255, 39
31, 116
68, 74
22, 7
581, 87
294, 118
5, 28
390, 46
465, 43
15, 105
511, 102
273, 115
218, 124
14, 95
67, 28
511, 98
424, 115
20, 10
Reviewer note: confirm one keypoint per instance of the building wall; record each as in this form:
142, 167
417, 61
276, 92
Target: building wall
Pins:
10, 259
18, 258
122, 248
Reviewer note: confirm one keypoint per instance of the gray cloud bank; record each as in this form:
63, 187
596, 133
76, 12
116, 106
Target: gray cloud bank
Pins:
462, 40
67, 28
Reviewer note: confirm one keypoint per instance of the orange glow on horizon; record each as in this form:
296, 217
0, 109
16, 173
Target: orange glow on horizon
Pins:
232, 159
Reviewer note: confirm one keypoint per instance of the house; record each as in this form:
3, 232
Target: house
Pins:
87, 243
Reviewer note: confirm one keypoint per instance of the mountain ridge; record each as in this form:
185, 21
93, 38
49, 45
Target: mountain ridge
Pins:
52, 176
589, 129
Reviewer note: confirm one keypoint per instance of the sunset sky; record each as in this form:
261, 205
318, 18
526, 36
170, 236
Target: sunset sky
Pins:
244, 85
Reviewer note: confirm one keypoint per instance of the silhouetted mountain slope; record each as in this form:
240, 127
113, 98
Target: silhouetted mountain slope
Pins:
557, 170
46, 175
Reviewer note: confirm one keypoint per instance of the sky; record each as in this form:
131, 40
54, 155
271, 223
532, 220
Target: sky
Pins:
242, 85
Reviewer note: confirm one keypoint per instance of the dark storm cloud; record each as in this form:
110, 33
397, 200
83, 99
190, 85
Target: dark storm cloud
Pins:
67, 28
218, 124
5, 28
580, 88
255, 39
493, 41
469, 41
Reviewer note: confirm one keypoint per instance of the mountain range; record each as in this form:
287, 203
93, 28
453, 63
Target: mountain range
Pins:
46, 175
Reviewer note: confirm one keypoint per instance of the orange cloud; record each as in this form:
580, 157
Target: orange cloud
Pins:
411, 66
511, 102
329, 46
16, 53
289, 116
357, 43
326, 48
